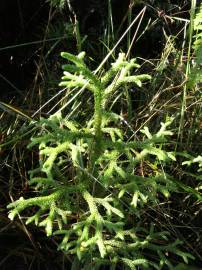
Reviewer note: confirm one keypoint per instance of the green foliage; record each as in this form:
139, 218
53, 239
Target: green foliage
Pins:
182, 266
89, 191
197, 175
196, 71
195, 160
58, 3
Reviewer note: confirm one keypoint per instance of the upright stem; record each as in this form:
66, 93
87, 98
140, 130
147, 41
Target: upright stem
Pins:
184, 95
97, 145
98, 113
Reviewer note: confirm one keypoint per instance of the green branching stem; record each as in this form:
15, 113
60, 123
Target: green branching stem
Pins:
89, 190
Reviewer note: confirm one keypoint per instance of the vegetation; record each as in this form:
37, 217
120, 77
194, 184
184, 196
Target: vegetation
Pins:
110, 166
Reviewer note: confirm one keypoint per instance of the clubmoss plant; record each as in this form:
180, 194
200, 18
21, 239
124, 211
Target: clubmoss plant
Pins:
89, 190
